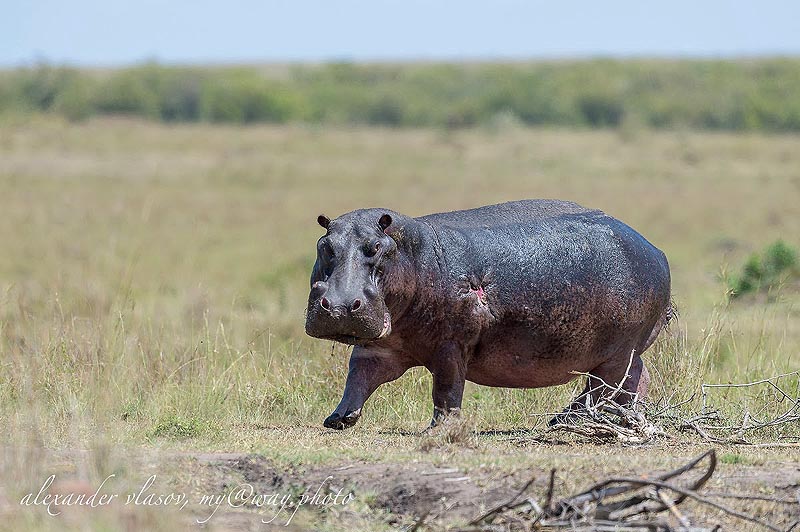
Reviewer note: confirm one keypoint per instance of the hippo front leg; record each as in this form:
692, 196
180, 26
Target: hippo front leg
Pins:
449, 376
368, 370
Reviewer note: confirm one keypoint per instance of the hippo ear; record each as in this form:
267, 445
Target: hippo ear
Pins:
323, 220
384, 222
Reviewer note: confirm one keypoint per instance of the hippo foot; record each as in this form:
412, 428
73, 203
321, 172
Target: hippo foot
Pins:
340, 422
441, 416
572, 415
567, 417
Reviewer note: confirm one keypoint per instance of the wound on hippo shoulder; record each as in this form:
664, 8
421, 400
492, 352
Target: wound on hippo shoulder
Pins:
474, 286
481, 294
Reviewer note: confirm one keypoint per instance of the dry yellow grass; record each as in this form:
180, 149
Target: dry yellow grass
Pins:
153, 278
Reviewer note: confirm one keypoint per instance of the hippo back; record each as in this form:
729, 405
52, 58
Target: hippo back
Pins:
536, 255
503, 214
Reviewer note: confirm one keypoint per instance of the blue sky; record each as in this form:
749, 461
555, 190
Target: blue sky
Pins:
109, 32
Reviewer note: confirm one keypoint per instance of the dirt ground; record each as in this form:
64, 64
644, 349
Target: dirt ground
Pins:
445, 487
403, 493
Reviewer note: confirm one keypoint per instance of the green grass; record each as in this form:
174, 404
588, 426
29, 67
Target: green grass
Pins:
732, 458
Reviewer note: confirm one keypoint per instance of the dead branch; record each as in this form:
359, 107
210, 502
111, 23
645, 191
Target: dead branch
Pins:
504, 506
548, 502
769, 380
752, 498
609, 417
669, 503
750, 422
615, 504
699, 498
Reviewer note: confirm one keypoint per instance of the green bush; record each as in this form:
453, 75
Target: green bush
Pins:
601, 110
126, 93
245, 98
763, 272
704, 94
76, 100
386, 111
180, 95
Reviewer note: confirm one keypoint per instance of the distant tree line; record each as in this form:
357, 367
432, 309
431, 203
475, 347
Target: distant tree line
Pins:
709, 94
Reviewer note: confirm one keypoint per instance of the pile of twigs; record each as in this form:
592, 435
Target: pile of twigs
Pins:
708, 424
619, 415
607, 420
618, 504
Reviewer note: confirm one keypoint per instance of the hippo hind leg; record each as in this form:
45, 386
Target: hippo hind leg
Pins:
611, 372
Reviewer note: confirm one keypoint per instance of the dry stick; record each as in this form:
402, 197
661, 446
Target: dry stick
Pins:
695, 496
638, 430
774, 445
669, 407
504, 506
740, 434
623, 379
573, 503
605, 429
548, 504
601, 490
745, 385
738, 438
603, 383
602, 525
674, 509
751, 497
701, 432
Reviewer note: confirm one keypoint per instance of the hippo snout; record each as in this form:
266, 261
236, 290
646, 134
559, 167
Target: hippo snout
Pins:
352, 318
334, 304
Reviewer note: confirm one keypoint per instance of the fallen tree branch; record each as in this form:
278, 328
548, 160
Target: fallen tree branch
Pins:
699, 498
737, 432
619, 503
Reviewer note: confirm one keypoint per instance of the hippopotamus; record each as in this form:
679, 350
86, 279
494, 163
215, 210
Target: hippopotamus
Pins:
521, 294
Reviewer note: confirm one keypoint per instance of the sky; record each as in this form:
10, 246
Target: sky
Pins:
113, 32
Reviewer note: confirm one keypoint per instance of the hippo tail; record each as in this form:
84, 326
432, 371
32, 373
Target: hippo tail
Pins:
669, 315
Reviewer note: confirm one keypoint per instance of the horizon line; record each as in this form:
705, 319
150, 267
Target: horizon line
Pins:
402, 60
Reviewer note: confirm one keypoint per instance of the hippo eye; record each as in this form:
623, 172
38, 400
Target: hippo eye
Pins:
372, 251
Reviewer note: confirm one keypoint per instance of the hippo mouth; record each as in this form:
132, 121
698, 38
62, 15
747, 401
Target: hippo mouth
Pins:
387, 326
352, 339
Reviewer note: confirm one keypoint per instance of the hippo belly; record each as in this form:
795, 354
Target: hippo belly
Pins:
525, 356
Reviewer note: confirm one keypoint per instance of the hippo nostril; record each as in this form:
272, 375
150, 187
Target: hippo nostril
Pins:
356, 305
325, 303
370, 291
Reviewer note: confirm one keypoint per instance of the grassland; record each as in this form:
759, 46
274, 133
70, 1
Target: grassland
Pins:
153, 281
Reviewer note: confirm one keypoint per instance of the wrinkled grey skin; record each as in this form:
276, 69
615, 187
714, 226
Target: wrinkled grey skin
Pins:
519, 295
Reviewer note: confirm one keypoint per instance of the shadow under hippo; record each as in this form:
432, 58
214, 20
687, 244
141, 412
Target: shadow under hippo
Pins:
520, 294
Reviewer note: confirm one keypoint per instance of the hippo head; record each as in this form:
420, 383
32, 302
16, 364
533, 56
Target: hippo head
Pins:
346, 303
